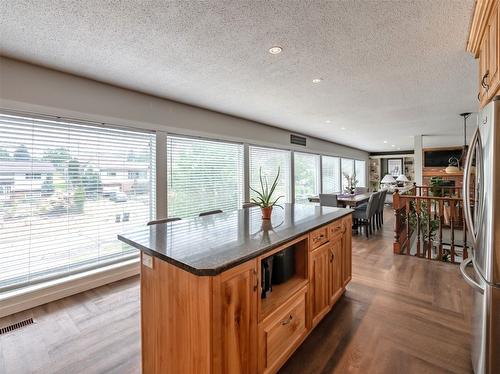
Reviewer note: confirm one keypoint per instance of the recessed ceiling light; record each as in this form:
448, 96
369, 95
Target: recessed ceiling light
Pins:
317, 80
342, 128
399, 148
275, 50
393, 145
385, 141
328, 121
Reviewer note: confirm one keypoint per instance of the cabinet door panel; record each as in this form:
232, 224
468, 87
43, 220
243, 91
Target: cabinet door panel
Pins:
347, 251
335, 279
492, 29
319, 262
235, 336
483, 68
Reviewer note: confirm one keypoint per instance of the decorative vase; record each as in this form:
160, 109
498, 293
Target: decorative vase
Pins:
266, 212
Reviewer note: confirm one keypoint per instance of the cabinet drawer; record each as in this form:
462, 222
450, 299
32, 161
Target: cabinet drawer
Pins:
318, 237
281, 332
336, 228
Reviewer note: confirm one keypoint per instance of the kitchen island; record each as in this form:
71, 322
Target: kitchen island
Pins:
203, 308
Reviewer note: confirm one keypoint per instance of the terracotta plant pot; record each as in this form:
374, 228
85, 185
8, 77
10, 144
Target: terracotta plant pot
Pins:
266, 212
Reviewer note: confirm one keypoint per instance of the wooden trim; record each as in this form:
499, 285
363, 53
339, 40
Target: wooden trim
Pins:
478, 25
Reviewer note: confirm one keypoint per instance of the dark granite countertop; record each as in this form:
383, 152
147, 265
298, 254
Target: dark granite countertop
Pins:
212, 244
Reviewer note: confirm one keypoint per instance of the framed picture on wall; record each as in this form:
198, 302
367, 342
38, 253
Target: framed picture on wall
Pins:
395, 166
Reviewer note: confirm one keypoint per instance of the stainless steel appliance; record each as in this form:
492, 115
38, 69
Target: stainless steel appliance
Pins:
482, 215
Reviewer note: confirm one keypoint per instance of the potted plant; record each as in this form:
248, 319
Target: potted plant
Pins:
264, 198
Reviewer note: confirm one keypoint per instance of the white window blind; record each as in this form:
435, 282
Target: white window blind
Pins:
203, 175
347, 168
306, 168
330, 168
360, 167
270, 160
66, 194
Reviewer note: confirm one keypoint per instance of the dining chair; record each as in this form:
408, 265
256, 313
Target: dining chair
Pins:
209, 213
359, 190
364, 215
328, 199
163, 220
380, 208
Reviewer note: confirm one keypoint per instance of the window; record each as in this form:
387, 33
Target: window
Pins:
360, 167
62, 221
270, 160
330, 167
203, 175
347, 168
306, 170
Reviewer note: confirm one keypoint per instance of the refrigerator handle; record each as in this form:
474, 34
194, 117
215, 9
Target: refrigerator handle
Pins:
471, 282
466, 187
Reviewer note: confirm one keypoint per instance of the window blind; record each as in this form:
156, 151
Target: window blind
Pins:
347, 166
203, 175
360, 168
66, 191
306, 176
270, 160
330, 168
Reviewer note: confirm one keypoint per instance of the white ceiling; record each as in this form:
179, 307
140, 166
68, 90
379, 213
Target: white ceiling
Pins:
390, 69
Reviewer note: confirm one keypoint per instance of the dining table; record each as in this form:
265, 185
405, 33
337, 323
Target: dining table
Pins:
347, 200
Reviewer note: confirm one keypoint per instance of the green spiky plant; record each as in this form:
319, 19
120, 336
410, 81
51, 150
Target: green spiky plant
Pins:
264, 198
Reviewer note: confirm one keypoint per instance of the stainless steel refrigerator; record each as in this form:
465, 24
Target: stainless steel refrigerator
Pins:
482, 215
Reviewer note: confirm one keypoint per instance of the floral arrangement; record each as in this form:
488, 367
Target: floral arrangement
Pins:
352, 182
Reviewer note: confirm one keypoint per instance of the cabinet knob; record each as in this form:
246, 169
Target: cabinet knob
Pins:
287, 321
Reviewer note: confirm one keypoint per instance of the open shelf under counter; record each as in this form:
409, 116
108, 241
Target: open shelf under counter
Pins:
280, 294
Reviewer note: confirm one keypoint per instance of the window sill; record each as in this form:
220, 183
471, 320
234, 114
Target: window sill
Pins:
31, 296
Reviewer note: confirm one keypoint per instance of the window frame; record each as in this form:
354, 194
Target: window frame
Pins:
202, 138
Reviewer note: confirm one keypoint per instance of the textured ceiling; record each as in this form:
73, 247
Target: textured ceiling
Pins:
390, 69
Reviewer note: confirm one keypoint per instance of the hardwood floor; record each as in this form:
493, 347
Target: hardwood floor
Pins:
399, 315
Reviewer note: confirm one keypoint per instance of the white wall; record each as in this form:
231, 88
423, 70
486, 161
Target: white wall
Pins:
30, 88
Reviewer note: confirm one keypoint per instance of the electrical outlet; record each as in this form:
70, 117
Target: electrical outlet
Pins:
147, 260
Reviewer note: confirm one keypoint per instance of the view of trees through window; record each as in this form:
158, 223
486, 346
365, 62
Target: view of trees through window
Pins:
68, 188
330, 168
269, 160
306, 176
60, 208
360, 169
203, 175
347, 166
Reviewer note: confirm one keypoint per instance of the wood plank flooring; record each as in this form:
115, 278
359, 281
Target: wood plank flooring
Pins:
399, 315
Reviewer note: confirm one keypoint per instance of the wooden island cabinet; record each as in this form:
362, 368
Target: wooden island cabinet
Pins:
216, 321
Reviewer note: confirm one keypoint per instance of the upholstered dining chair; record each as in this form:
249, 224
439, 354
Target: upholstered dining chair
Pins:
328, 199
380, 208
163, 220
364, 215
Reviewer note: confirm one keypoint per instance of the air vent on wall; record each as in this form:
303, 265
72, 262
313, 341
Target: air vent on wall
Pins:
15, 326
299, 140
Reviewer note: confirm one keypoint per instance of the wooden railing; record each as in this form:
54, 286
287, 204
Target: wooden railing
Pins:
430, 226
